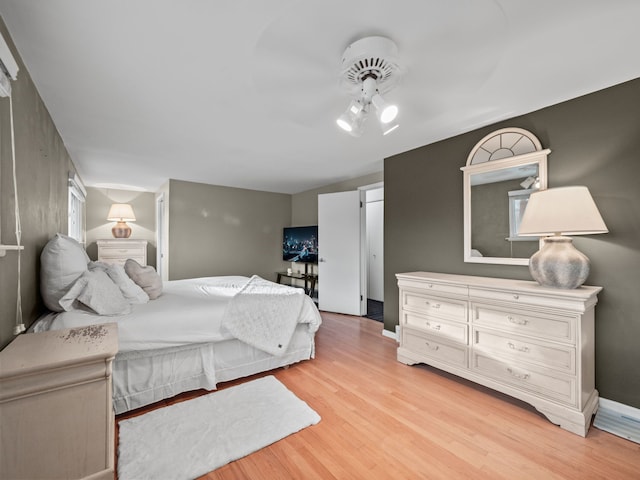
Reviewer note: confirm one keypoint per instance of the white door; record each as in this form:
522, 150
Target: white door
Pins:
375, 250
340, 239
161, 258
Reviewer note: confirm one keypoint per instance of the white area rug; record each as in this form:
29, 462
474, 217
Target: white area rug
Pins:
191, 438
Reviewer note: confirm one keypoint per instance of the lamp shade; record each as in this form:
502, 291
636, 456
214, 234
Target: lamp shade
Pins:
121, 212
561, 211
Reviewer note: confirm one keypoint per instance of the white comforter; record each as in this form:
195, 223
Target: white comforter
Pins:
188, 311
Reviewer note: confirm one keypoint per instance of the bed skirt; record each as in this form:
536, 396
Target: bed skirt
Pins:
144, 377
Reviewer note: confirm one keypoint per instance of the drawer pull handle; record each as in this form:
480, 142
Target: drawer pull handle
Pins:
432, 347
435, 305
516, 297
518, 349
430, 285
519, 376
517, 321
434, 327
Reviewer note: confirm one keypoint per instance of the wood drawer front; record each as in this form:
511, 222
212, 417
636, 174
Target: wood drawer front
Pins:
525, 322
515, 297
546, 383
122, 260
433, 306
128, 252
430, 287
433, 348
524, 349
456, 332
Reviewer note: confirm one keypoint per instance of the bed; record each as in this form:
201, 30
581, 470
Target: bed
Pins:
192, 334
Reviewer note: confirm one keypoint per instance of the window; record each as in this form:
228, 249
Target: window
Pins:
77, 195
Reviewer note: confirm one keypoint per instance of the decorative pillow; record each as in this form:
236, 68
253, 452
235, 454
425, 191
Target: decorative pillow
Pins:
62, 260
97, 291
145, 277
132, 292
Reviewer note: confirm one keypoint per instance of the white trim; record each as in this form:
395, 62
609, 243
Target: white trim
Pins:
76, 210
372, 186
619, 419
75, 182
7, 59
387, 333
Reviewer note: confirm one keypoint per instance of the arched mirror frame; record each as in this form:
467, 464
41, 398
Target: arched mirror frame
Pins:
502, 149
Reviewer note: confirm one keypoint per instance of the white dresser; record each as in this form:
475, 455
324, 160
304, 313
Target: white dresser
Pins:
118, 250
56, 411
517, 337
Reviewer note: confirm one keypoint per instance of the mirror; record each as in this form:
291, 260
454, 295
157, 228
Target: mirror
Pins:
497, 184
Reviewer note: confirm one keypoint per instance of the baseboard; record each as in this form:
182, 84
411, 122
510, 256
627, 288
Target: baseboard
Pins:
387, 333
619, 419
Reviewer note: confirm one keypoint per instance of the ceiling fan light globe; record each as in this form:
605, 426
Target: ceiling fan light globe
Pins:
388, 114
344, 124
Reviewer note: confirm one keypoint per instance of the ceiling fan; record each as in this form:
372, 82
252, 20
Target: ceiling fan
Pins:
369, 69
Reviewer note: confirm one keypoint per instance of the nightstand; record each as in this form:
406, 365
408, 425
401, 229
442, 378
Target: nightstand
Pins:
56, 404
118, 250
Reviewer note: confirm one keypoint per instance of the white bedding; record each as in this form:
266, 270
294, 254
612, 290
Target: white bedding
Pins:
189, 311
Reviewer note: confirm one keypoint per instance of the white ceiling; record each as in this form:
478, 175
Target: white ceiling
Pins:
245, 93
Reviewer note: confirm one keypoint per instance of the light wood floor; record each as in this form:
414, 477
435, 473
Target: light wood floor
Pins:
385, 420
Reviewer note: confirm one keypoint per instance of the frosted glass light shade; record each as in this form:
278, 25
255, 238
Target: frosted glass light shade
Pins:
121, 212
564, 210
386, 112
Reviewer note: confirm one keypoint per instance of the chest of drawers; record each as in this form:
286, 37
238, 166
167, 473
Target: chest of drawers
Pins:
119, 250
516, 337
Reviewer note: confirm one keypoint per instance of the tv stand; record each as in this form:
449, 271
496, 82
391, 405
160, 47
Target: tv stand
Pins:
310, 279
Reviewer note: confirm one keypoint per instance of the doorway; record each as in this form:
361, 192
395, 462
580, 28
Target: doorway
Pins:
351, 253
375, 252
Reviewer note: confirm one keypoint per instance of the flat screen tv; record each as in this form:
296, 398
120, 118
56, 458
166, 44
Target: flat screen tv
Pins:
300, 244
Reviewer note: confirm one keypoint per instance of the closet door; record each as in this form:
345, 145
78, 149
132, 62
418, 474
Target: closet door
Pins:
340, 240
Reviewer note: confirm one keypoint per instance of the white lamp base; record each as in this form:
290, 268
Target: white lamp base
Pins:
559, 264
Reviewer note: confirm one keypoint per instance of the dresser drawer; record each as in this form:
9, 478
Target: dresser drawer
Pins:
433, 306
433, 348
523, 349
525, 322
122, 252
121, 260
545, 299
118, 251
537, 380
456, 332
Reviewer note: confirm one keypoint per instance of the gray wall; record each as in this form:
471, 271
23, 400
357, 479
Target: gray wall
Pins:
43, 167
99, 201
216, 230
595, 141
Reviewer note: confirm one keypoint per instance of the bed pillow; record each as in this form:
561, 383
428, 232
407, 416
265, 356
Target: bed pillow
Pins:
145, 277
97, 291
131, 291
62, 262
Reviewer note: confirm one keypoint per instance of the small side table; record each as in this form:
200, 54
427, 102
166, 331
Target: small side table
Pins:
310, 280
55, 404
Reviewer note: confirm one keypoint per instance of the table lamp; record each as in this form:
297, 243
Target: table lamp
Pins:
554, 213
121, 213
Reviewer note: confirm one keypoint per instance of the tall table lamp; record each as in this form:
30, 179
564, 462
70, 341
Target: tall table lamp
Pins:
121, 213
554, 213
